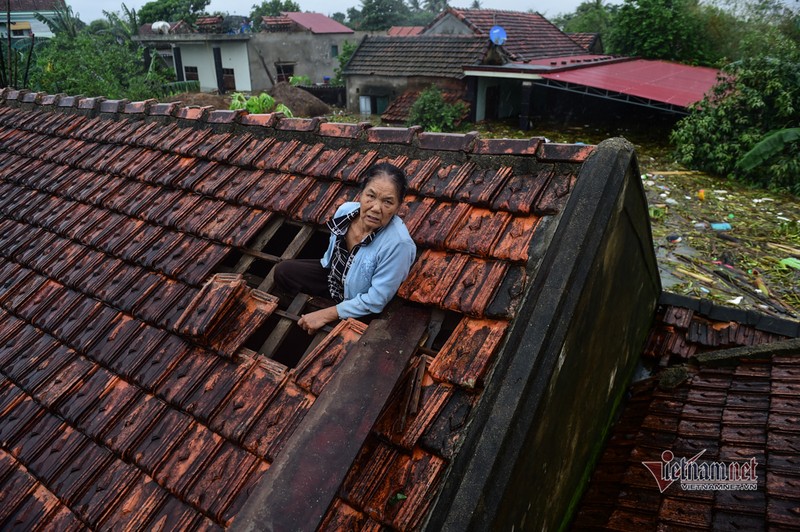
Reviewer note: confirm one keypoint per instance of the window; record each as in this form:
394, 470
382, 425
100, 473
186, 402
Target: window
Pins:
190, 73
285, 71
228, 79
334, 50
368, 105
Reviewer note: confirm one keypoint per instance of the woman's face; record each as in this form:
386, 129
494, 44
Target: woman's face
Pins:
379, 202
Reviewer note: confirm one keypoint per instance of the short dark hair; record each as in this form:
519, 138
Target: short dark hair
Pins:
389, 170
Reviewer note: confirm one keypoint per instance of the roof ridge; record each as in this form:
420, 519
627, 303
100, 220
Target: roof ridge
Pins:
239, 121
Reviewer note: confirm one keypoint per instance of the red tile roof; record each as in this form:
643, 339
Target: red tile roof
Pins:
734, 403
530, 35
146, 374
421, 55
317, 22
404, 31
31, 5
585, 40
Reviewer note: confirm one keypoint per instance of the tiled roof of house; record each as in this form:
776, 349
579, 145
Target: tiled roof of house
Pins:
147, 377
317, 22
422, 55
530, 35
737, 401
276, 23
31, 5
404, 31
584, 40
398, 110
687, 327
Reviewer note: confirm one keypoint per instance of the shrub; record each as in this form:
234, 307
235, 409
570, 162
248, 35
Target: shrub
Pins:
751, 98
263, 103
434, 114
299, 80
348, 49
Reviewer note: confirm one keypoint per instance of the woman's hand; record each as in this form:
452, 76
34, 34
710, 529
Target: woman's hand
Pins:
314, 321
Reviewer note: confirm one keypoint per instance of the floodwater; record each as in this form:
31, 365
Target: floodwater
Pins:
713, 238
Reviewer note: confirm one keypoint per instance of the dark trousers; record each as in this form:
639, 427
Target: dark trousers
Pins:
302, 275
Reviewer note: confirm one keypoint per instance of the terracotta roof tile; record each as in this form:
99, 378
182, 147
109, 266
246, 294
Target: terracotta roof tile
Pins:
420, 55
286, 409
728, 406
530, 35
137, 395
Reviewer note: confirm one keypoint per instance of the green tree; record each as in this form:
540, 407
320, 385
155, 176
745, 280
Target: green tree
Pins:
64, 20
436, 6
753, 97
659, 29
271, 8
172, 10
379, 15
95, 65
354, 18
347, 51
592, 16
124, 25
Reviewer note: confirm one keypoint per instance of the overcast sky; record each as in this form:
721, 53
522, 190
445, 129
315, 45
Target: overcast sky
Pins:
90, 10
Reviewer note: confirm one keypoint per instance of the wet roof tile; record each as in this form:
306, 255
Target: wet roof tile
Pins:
238, 413
317, 368
467, 355
112, 228
285, 411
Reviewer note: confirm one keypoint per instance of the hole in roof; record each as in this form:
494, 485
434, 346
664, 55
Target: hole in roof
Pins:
257, 339
281, 240
258, 271
449, 324
294, 345
230, 261
316, 246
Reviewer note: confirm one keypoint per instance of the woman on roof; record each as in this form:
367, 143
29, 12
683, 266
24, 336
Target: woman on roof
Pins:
369, 254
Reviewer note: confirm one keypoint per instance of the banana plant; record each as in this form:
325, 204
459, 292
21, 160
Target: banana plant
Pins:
772, 144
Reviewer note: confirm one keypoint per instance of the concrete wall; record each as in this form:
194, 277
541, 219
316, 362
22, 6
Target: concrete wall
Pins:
309, 53
392, 87
449, 25
39, 29
201, 55
545, 412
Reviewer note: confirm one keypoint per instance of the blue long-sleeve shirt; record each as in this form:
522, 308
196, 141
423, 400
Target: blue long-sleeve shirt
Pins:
377, 269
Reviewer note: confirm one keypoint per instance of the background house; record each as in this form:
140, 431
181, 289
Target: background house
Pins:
23, 21
537, 72
293, 44
383, 68
297, 44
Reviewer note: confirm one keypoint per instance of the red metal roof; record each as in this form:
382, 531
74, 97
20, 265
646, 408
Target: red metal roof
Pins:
318, 23
660, 81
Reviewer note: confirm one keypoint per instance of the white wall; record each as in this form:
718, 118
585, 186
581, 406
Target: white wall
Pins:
201, 55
